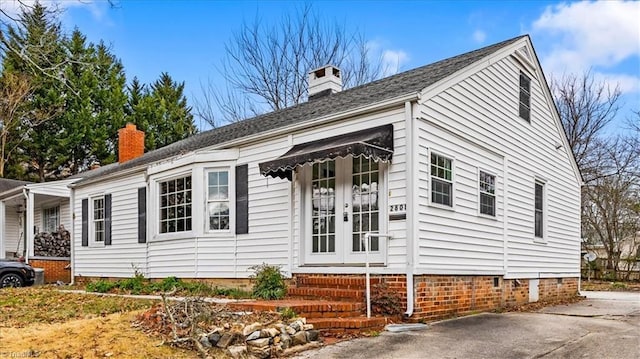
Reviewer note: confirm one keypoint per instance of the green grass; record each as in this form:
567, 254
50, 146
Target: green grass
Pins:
140, 285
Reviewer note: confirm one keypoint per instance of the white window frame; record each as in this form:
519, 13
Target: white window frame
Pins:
92, 221
158, 208
520, 89
452, 181
543, 238
231, 195
495, 194
45, 213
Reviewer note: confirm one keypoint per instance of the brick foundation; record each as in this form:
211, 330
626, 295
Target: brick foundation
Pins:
54, 269
443, 296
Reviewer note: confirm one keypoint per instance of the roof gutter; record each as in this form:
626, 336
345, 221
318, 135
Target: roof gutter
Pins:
135, 169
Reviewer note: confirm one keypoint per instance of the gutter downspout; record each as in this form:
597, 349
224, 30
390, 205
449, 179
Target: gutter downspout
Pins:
72, 205
409, 125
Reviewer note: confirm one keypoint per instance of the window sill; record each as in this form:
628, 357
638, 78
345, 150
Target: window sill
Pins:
486, 216
96, 245
173, 236
442, 206
539, 240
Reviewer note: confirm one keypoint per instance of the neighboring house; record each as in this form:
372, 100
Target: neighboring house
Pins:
35, 220
629, 265
463, 163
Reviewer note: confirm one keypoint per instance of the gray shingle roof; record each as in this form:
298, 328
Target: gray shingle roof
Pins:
404, 83
9, 184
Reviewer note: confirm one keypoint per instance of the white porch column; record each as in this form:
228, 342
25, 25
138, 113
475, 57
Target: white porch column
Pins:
2, 229
30, 223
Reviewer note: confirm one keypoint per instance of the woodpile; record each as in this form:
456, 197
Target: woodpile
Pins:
54, 244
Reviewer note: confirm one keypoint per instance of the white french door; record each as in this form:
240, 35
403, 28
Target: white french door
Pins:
343, 202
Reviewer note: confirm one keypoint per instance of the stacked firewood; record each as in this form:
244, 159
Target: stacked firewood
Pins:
52, 244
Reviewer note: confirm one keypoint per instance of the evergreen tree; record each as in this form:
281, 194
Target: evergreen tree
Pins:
33, 49
161, 112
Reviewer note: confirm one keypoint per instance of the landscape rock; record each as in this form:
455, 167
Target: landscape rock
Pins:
285, 340
204, 340
312, 335
225, 340
253, 336
299, 338
237, 351
261, 342
307, 327
251, 328
273, 332
214, 338
290, 330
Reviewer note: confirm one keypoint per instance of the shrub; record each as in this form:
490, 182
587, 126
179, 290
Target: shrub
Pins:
287, 313
385, 301
269, 282
100, 286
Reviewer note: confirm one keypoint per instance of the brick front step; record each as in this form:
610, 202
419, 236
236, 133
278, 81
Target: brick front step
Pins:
352, 295
304, 308
359, 323
334, 282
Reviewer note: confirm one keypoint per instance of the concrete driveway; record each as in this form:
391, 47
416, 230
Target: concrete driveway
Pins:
605, 325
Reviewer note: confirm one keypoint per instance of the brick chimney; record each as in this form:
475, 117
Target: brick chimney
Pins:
130, 143
324, 81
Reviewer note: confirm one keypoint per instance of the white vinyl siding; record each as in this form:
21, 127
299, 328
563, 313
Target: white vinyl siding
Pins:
483, 109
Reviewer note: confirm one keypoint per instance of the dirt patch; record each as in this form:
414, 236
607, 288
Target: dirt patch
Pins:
104, 337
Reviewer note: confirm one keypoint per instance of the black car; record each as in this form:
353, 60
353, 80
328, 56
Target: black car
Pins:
15, 274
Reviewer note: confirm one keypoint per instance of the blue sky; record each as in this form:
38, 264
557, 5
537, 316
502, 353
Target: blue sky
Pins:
187, 38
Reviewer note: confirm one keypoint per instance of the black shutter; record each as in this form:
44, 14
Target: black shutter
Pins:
242, 199
107, 219
85, 222
142, 215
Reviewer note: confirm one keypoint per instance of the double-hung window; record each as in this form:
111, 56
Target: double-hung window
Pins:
218, 200
441, 180
525, 97
487, 184
539, 210
97, 220
51, 219
175, 205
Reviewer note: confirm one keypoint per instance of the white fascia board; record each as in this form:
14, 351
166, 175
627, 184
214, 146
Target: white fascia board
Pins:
56, 188
193, 158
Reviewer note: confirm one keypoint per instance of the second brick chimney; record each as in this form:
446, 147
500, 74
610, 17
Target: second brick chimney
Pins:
130, 143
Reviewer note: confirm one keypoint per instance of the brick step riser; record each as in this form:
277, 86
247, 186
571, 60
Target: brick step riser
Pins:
355, 323
315, 315
332, 294
321, 282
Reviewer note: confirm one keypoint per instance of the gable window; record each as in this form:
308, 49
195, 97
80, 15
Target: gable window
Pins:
441, 180
539, 210
175, 205
218, 200
487, 185
525, 97
97, 220
50, 219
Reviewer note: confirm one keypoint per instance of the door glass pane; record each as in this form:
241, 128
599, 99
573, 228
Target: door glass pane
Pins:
323, 214
365, 203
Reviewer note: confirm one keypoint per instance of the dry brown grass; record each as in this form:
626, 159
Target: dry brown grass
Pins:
49, 324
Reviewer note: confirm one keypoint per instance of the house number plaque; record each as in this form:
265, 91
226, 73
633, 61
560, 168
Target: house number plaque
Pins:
397, 212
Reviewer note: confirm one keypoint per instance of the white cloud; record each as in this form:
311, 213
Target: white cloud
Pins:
12, 8
392, 61
599, 35
479, 36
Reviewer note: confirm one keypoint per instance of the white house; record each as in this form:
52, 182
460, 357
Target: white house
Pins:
463, 163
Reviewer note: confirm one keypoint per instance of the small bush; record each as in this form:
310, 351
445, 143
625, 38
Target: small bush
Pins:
287, 313
135, 285
618, 285
269, 282
385, 301
100, 286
